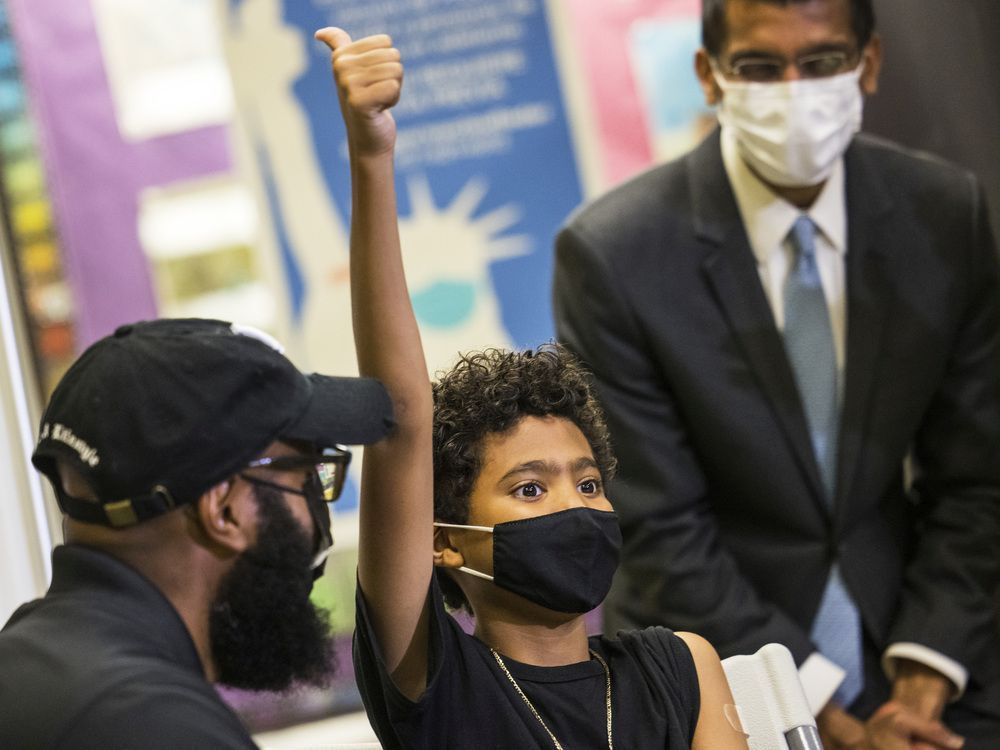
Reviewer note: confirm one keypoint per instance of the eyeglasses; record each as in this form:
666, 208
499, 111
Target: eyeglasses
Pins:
770, 69
323, 485
325, 481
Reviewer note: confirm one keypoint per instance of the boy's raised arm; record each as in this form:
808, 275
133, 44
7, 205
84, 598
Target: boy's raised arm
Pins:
396, 539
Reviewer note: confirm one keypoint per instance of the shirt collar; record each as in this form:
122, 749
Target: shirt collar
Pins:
768, 217
135, 611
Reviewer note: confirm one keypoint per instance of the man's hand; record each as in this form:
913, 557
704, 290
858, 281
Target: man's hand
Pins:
893, 727
924, 692
369, 77
838, 730
896, 727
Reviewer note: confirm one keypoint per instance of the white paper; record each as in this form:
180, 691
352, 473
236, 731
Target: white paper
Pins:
165, 65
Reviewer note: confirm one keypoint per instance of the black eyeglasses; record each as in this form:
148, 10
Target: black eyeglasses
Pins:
327, 478
772, 69
322, 486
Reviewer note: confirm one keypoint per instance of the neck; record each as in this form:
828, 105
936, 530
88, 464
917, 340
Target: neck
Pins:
802, 196
197, 626
192, 597
543, 642
187, 575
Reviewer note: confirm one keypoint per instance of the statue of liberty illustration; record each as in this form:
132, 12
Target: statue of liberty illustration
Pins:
446, 255
303, 238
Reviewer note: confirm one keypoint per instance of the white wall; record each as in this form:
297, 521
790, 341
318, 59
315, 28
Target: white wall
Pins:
25, 536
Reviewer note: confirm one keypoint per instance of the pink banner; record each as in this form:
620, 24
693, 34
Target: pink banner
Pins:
606, 37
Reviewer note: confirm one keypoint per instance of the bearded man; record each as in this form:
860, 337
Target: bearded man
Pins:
194, 464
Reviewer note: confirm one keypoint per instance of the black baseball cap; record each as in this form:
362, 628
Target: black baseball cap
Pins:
155, 414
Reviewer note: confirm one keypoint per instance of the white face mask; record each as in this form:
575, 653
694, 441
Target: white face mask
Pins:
792, 132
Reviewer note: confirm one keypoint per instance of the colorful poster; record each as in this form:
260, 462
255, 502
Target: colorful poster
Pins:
485, 168
27, 207
96, 175
164, 65
662, 54
637, 58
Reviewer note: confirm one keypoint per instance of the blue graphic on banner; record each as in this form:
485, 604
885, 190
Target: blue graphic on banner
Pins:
485, 168
293, 272
485, 165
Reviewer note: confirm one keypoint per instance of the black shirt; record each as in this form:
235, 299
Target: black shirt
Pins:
104, 661
470, 703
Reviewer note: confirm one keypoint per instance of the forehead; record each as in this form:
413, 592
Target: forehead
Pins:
551, 439
787, 30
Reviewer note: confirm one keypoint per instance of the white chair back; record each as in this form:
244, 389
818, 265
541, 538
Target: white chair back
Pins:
771, 703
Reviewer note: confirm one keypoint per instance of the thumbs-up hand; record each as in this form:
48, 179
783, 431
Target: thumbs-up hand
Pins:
369, 78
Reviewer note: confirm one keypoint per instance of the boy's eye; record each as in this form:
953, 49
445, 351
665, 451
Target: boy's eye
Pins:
531, 489
590, 487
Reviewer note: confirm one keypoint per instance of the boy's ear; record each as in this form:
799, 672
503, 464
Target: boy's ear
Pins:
445, 554
227, 515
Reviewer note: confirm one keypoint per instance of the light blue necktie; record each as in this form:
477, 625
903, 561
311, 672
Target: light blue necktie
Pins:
809, 344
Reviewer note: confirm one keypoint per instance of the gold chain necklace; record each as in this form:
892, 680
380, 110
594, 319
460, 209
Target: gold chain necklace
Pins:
607, 695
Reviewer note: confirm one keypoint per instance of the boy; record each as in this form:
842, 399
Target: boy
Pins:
496, 479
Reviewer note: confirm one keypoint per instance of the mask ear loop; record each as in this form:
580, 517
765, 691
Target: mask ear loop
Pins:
319, 511
470, 571
475, 573
443, 525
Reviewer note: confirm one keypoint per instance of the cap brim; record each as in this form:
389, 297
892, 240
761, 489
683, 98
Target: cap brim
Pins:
348, 411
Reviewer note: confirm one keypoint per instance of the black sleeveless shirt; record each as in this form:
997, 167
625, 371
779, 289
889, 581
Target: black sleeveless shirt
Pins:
470, 704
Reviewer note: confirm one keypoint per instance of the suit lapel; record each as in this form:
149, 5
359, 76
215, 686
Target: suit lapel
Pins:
869, 301
731, 272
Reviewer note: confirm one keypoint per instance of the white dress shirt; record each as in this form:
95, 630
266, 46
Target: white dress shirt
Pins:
768, 218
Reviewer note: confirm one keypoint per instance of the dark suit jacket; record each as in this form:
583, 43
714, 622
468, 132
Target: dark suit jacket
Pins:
719, 495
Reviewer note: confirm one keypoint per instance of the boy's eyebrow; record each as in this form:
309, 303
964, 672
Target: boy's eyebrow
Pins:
541, 466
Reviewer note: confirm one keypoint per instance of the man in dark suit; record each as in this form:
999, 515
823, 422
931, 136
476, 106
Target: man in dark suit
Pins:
796, 335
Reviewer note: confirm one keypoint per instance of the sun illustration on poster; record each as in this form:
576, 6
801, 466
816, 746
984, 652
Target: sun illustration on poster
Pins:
447, 253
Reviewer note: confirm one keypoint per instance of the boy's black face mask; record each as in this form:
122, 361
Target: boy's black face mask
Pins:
562, 561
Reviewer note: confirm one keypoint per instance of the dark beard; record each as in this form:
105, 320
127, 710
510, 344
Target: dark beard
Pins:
265, 633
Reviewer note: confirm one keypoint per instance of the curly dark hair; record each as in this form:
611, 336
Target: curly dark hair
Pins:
489, 392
